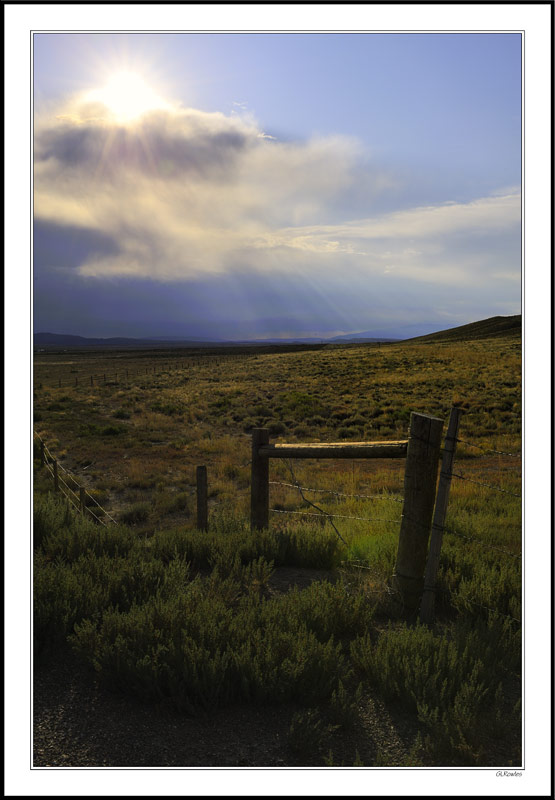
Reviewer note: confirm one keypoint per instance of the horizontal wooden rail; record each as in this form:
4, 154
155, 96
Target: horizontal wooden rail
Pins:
335, 450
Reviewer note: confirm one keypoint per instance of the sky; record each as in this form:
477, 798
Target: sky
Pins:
254, 185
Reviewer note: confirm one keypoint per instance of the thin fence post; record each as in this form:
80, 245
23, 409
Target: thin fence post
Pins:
76, 381
82, 499
260, 476
440, 513
56, 479
91, 380
202, 499
419, 496
42, 458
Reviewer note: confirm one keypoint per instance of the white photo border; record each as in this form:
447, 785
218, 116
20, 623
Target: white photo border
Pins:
534, 20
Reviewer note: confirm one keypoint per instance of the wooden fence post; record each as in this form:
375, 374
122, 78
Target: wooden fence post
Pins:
82, 499
202, 499
56, 479
260, 475
42, 458
419, 496
91, 380
440, 513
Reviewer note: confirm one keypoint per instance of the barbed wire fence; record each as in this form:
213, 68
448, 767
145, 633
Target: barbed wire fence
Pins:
459, 597
456, 597
125, 374
485, 485
77, 501
431, 587
481, 543
326, 515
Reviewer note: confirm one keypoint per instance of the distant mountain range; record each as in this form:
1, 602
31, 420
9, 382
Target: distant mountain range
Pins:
44, 339
493, 326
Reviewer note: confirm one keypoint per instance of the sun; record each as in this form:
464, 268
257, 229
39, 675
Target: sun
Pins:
127, 96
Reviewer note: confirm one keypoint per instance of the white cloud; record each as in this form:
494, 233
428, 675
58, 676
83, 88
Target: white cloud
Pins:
188, 193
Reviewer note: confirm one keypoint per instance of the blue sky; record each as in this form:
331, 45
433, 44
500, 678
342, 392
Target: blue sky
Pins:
275, 184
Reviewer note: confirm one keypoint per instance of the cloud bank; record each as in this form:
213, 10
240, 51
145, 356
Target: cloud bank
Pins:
184, 195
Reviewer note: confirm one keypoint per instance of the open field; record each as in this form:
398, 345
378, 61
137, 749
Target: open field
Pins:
204, 623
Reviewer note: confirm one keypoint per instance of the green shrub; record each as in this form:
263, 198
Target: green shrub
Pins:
94, 496
301, 431
169, 409
447, 679
349, 432
50, 515
208, 645
309, 546
171, 503
69, 588
62, 596
138, 513
300, 405
112, 430
343, 708
63, 534
307, 734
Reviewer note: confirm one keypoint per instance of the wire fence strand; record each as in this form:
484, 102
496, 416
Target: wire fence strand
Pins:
69, 498
310, 503
489, 449
89, 511
487, 485
338, 494
325, 515
481, 543
61, 480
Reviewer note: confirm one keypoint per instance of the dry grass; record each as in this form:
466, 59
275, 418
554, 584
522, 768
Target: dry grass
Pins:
156, 424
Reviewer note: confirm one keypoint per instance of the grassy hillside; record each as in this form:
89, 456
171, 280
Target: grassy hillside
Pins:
484, 329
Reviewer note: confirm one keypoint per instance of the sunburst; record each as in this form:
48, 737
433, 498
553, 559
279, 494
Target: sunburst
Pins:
127, 96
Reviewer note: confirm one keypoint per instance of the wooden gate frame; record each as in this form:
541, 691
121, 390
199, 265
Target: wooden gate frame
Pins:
421, 451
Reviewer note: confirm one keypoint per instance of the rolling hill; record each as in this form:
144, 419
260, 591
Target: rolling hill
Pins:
483, 329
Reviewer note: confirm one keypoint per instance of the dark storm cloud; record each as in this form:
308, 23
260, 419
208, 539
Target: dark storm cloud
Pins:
159, 145
65, 247
241, 306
